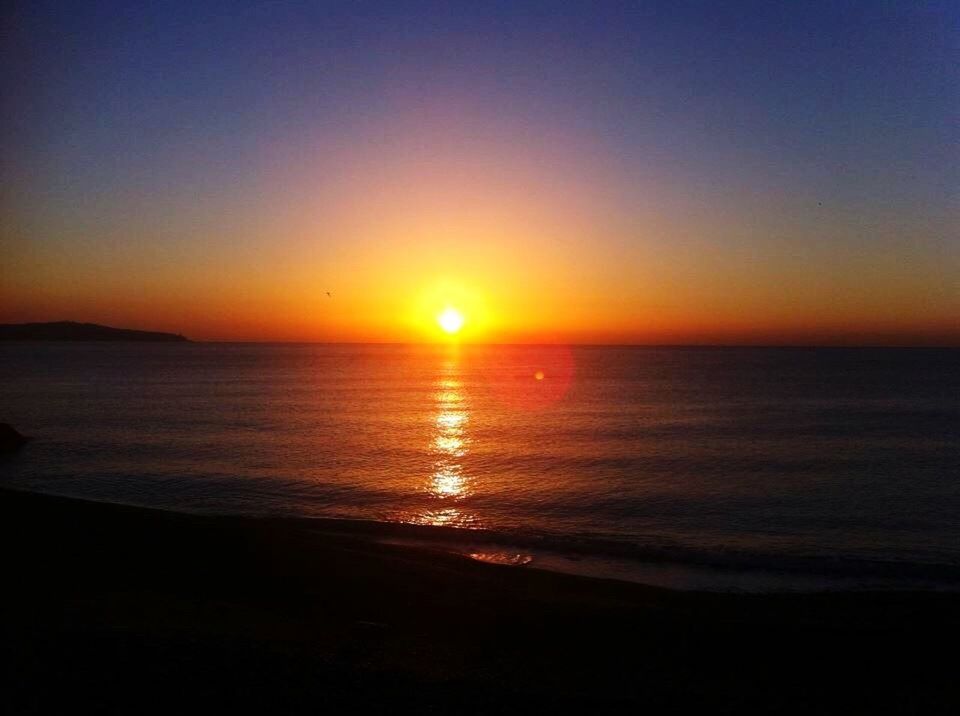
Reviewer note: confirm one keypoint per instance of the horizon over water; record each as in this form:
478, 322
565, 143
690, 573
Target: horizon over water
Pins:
743, 468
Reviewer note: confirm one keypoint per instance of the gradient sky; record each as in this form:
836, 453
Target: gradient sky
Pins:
721, 172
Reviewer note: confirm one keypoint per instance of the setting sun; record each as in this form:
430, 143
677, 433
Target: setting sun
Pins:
451, 320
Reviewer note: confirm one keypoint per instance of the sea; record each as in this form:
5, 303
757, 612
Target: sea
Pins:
718, 469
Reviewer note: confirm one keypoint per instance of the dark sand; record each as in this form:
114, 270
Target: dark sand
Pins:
112, 609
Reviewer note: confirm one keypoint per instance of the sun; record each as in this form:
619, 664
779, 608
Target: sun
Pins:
451, 320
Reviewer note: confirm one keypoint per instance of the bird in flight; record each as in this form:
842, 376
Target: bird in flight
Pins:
328, 295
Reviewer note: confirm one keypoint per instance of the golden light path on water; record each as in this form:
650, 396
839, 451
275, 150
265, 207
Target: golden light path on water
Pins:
448, 483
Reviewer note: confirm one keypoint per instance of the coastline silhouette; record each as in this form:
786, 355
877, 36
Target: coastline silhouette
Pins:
73, 331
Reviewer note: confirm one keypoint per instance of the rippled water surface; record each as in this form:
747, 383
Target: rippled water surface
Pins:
719, 456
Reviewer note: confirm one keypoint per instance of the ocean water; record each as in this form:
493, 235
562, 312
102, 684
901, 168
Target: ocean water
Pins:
715, 468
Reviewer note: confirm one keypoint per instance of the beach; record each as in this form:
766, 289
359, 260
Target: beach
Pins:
115, 609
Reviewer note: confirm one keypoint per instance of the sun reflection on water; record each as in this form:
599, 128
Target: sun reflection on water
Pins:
450, 517
447, 485
451, 443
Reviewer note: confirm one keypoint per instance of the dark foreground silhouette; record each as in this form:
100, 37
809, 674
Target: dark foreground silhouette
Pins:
70, 331
10, 439
112, 609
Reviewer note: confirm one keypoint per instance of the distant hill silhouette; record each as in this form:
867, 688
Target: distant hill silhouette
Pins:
72, 331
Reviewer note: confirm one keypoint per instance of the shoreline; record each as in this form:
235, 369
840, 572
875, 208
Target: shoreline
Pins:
151, 610
673, 567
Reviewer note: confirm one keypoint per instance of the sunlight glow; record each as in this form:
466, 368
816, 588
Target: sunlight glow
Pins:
451, 320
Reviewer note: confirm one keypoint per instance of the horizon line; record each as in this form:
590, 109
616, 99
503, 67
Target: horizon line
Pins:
952, 343
582, 345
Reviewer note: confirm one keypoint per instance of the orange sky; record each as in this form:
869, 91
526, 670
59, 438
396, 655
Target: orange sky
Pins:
533, 243
527, 258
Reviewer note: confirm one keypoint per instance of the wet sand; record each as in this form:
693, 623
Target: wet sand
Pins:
112, 609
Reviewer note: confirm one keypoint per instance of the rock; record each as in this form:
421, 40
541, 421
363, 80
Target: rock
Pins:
10, 439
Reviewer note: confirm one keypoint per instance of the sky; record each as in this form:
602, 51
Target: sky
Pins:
583, 172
